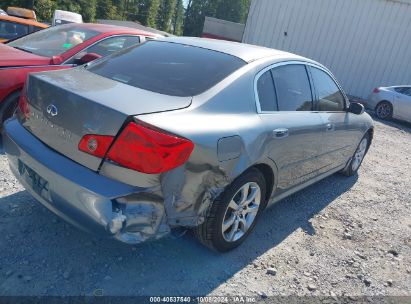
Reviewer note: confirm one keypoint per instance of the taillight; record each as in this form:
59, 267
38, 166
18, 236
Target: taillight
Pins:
96, 145
148, 150
376, 90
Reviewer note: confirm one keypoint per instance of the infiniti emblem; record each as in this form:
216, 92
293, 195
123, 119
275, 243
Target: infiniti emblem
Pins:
52, 110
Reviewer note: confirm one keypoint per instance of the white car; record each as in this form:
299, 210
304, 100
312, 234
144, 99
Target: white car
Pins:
391, 102
63, 17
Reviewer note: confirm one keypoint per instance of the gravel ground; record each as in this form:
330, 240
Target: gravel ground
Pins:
339, 237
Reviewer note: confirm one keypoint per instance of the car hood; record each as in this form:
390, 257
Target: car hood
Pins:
12, 57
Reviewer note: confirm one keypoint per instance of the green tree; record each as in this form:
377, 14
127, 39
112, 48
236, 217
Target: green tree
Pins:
44, 9
165, 14
197, 10
105, 9
150, 12
233, 10
68, 5
178, 18
19, 3
127, 9
196, 13
88, 9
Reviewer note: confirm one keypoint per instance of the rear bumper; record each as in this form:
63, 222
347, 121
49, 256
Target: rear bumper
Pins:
79, 195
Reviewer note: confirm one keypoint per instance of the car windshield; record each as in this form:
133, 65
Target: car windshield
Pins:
168, 68
54, 40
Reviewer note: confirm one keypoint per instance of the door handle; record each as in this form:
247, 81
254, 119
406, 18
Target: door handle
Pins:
280, 132
330, 127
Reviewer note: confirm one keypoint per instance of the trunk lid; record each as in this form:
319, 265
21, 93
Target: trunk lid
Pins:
63, 106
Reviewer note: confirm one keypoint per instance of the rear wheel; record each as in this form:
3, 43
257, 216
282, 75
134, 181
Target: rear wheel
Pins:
358, 156
384, 110
233, 215
8, 107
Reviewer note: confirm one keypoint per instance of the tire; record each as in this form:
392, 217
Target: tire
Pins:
211, 232
8, 107
358, 157
384, 110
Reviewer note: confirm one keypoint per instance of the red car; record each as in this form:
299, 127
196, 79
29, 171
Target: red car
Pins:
57, 48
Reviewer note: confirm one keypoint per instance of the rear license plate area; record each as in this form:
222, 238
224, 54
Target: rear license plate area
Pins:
37, 183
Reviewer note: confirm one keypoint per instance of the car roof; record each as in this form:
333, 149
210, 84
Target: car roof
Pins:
22, 21
246, 52
108, 28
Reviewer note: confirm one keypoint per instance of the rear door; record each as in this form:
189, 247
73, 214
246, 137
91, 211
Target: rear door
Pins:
285, 104
339, 132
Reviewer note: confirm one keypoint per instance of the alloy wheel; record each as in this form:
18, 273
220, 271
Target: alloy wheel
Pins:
359, 154
241, 212
384, 110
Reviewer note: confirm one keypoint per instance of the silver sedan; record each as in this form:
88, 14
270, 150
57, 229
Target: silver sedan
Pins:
391, 102
182, 132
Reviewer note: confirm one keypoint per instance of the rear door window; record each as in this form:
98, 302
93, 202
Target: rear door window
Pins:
407, 92
168, 68
330, 98
402, 90
293, 88
266, 93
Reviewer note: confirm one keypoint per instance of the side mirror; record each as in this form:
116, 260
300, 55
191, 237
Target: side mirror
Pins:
356, 108
89, 57
56, 60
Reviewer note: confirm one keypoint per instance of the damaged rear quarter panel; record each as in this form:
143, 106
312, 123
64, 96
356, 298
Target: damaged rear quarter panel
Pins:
181, 197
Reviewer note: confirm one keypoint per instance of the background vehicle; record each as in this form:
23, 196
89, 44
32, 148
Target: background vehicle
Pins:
64, 17
15, 27
391, 102
56, 48
2, 13
182, 132
21, 13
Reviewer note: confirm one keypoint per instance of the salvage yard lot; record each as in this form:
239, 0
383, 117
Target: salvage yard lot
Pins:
341, 236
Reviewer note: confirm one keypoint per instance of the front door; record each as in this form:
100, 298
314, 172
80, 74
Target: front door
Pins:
339, 139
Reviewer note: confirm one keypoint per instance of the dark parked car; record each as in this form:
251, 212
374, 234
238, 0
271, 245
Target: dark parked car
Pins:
182, 132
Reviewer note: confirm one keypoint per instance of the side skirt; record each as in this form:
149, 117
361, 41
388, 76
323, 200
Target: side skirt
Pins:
295, 189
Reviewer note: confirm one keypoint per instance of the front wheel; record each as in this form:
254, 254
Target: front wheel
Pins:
358, 156
233, 215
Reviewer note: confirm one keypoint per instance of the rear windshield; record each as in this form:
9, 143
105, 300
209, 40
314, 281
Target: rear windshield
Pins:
168, 68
